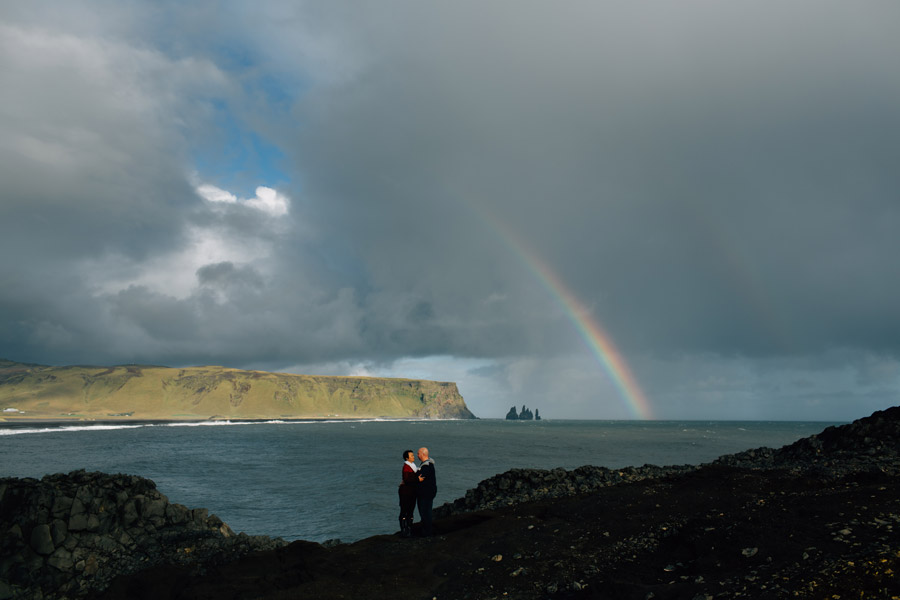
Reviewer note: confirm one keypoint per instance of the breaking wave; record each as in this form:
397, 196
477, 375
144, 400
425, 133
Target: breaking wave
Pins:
16, 429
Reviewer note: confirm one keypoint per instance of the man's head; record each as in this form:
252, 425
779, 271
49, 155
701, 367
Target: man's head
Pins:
423, 453
408, 455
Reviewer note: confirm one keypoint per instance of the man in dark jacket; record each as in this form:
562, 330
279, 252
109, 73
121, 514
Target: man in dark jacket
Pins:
426, 490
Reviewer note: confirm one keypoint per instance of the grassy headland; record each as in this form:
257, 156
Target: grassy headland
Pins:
144, 392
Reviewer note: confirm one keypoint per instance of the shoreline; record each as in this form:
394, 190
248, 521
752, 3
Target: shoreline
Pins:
812, 519
9, 419
214, 419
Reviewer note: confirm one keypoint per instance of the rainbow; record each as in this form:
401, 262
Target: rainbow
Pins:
598, 341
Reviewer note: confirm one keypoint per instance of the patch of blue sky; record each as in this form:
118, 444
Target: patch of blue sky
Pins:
238, 158
280, 84
279, 93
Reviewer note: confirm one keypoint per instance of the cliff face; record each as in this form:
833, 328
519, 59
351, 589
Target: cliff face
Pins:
151, 392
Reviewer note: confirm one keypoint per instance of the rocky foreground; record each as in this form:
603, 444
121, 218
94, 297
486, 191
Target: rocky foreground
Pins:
819, 518
65, 536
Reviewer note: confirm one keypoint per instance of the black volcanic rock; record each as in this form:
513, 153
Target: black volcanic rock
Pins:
714, 532
815, 519
524, 485
871, 443
64, 536
868, 444
524, 415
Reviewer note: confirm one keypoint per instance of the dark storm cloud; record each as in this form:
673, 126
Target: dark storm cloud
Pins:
714, 179
715, 182
226, 274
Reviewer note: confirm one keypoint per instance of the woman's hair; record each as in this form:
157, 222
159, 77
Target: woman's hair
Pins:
406, 453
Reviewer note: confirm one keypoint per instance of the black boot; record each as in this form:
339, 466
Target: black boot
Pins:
404, 528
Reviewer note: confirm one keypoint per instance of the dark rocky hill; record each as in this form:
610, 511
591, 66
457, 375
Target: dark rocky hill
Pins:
868, 444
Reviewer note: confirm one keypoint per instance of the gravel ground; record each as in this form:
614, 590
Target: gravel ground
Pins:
718, 532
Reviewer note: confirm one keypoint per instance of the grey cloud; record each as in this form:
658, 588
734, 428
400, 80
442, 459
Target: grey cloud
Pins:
158, 316
90, 158
715, 183
226, 274
701, 190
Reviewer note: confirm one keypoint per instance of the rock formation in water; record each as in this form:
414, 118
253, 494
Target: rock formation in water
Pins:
525, 415
150, 392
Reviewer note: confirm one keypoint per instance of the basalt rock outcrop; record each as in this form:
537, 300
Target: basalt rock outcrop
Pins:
868, 444
64, 536
525, 485
525, 415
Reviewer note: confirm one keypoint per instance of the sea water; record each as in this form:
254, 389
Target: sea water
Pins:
321, 480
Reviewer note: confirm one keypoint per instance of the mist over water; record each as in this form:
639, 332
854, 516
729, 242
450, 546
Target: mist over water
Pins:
322, 480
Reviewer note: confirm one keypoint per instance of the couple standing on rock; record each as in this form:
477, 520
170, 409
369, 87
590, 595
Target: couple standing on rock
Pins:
419, 487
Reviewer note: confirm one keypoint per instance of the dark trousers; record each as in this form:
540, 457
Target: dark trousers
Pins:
407, 507
425, 503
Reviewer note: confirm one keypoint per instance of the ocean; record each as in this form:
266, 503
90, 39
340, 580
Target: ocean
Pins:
321, 480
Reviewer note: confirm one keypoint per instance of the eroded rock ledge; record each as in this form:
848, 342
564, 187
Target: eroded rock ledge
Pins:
524, 485
66, 535
868, 444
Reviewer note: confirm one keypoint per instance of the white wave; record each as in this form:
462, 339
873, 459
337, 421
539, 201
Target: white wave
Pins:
223, 423
227, 422
66, 428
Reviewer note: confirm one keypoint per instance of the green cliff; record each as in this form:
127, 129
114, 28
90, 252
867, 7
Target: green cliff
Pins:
149, 392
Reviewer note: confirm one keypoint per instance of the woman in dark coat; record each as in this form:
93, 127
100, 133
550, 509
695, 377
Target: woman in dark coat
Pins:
407, 493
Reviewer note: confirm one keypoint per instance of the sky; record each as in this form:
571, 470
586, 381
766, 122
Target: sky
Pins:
602, 210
